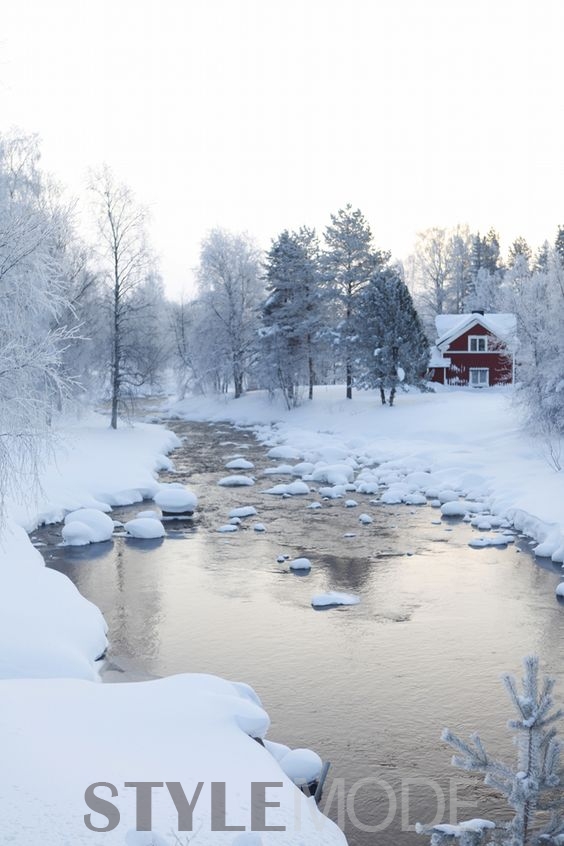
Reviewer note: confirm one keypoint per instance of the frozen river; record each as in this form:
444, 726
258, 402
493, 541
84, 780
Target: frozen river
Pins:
369, 687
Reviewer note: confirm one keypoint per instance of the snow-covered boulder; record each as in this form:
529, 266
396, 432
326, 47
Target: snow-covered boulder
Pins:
229, 527
259, 527
284, 453
454, 508
302, 766
99, 524
447, 495
300, 564
351, 503
315, 505
77, 534
560, 590
145, 528
365, 519
176, 499
239, 464
236, 482
333, 474
243, 511
303, 468
298, 488
279, 470
324, 600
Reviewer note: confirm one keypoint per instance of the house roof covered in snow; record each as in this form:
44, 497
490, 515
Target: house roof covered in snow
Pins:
450, 326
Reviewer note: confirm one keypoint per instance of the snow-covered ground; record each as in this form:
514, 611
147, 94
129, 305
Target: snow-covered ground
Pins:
469, 441
46, 627
61, 731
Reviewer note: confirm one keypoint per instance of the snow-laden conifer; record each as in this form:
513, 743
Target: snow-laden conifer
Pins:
290, 315
532, 788
392, 349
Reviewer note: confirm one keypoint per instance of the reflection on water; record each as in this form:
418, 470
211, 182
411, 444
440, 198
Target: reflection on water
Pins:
370, 687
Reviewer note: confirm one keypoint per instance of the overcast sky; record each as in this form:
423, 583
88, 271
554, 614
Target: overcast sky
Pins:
261, 115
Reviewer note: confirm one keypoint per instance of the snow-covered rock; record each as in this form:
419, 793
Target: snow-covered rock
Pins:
243, 511
447, 495
351, 503
297, 488
259, 527
560, 590
99, 524
333, 474
145, 528
300, 564
454, 508
365, 519
77, 534
149, 515
239, 464
228, 527
279, 470
302, 766
315, 505
236, 482
284, 453
176, 499
323, 600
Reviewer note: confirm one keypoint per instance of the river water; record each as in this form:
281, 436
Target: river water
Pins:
369, 687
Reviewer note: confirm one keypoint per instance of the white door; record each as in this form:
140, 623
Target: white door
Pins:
479, 377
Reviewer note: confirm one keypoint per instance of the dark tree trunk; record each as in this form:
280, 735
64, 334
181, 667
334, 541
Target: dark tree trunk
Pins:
349, 380
310, 368
392, 396
383, 396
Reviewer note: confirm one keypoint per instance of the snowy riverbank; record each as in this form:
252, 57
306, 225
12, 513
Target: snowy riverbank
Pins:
468, 440
61, 731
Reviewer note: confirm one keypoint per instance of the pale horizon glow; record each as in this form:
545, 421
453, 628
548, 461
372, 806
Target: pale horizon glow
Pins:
261, 115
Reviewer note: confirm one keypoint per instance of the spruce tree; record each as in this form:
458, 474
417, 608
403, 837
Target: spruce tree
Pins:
392, 348
290, 315
347, 263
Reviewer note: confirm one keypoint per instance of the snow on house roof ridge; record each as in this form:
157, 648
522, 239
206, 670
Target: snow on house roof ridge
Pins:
501, 324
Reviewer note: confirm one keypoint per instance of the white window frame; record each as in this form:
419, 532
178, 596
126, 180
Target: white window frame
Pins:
478, 338
479, 383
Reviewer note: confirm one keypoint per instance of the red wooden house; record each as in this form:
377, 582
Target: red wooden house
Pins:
474, 349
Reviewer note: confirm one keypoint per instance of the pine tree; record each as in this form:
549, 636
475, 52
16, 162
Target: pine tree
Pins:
347, 263
289, 315
533, 789
559, 243
393, 349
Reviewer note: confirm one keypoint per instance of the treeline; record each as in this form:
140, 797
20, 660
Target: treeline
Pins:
310, 312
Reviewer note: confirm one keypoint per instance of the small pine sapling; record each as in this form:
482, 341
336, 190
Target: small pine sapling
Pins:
533, 790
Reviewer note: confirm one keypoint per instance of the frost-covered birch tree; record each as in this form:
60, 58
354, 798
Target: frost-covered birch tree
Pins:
230, 289
126, 264
33, 383
532, 788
